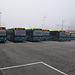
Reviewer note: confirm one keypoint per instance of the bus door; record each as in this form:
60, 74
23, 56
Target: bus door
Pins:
31, 34
53, 35
57, 35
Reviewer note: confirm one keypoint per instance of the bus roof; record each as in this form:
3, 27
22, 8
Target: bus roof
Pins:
2, 28
34, 29
45, 29
58, 30
67, 32
72, 32
18, 28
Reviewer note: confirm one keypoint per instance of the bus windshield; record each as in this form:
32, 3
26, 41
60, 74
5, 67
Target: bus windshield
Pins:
62, 34
67, 34
46, 33
38, 33
20, 32
73, 35
2, 32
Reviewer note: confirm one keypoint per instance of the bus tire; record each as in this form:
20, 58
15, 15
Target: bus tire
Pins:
58, 40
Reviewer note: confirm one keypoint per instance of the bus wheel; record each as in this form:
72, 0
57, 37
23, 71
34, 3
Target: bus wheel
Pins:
58, 40
4, 41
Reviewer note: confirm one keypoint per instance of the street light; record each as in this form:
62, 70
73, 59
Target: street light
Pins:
63, 23
44, 20
68, 27
58, 26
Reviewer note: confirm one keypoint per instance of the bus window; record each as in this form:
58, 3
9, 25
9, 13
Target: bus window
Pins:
67, 34
38, 33
2, 32
62, 34
53, 33
73, 35
20, 32
46, 33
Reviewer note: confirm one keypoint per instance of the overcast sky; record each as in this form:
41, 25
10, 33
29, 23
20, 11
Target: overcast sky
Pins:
30, 13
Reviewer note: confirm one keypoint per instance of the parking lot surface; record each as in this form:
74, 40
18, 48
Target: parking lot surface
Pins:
59, 57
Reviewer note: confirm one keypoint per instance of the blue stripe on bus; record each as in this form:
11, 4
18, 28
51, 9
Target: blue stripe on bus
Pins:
68, 38
59, 39
46, 38
37, 39
72, 38
53, 38
2, 39
62, 39
19, 38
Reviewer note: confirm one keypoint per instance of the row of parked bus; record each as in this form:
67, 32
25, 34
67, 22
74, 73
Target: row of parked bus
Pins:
34, 34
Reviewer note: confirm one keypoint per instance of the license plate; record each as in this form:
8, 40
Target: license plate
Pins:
20, 39
38, 39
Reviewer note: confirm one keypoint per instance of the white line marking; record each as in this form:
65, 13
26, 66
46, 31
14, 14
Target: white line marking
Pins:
34, 64
54, 68
20, 65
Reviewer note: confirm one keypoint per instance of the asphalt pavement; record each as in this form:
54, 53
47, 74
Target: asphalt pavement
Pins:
37, 58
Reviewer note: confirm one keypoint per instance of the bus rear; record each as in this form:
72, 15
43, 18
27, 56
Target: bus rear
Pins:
34, 34
54, 35
62, 36
16, 34
46, 35
37, 35
20, 34
58, 35
72, 36
68, 36
2, 34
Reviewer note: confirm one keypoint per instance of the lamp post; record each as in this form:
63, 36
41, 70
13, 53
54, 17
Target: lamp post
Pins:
63, 24
68, 27
43, 23
58, 26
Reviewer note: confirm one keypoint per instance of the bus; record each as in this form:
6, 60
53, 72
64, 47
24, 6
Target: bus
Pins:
58, 35
2, 34
68, 36
16, 34
72, 35
34, 34
46, 34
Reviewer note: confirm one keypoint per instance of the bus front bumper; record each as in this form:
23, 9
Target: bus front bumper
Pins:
37, 39
2, 39
62, 39
19, 38
46, 38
